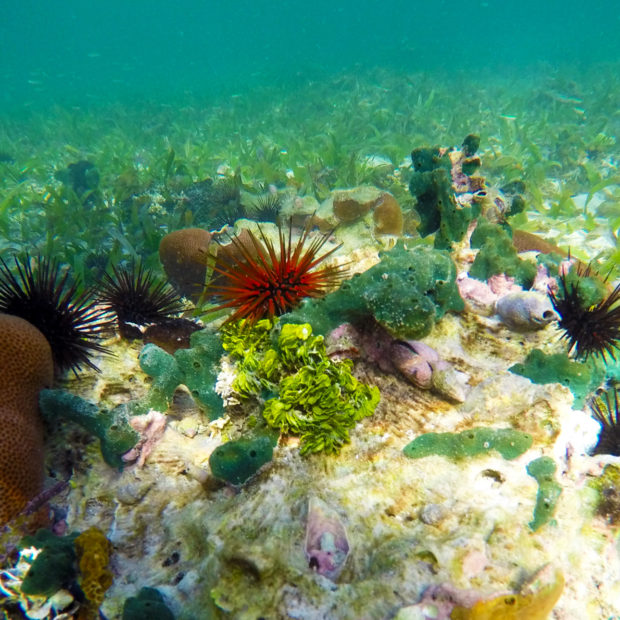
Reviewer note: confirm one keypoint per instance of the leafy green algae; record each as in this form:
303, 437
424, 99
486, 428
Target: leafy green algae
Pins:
305, 392
508, 442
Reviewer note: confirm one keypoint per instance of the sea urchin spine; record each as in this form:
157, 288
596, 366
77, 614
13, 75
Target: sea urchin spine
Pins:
589, 329
257, 281
68, 318
137, 298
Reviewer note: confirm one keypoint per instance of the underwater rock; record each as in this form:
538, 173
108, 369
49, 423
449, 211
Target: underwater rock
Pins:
171, 334
525, 311
326, 546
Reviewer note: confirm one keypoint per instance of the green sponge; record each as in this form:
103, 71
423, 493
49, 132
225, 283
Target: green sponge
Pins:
54, 568
111, 426
508, 442
542, 469
238, 460
148, 605
580, 377
196, 367
407, 292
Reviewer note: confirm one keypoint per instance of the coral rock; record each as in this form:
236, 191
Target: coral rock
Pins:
27, 367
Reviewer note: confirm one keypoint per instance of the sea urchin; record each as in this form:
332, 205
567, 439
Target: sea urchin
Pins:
67, 317
137, 298
606, 409
589, 329
257, 281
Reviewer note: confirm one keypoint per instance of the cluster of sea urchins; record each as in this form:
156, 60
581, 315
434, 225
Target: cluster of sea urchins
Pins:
257, 280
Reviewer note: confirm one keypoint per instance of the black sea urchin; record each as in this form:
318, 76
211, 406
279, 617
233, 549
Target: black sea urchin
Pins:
589, 329
67, 317
606, 409
137, 298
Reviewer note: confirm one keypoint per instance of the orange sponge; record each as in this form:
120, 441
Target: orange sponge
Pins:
26, 367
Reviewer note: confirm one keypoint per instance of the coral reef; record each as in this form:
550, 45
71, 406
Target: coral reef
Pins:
27, 368
93, 551
183, 255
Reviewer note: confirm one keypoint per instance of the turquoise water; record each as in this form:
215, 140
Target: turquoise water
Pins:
76, 52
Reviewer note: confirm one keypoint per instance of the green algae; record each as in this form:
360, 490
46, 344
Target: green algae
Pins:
305, 393
542, 470
508, 442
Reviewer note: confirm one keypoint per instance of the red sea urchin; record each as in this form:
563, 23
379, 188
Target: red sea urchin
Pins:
257, 281
67, 317
589, 329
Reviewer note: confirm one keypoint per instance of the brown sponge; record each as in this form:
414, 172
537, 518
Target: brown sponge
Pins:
183, 255
26, 367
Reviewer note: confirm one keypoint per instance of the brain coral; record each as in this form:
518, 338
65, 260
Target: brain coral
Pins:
26, 367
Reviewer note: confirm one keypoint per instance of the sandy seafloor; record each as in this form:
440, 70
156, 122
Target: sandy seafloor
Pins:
218, 551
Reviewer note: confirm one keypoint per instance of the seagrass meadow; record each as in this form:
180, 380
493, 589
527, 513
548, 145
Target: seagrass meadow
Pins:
310, 313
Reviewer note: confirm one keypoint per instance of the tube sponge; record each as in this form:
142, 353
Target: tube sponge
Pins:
27, 367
